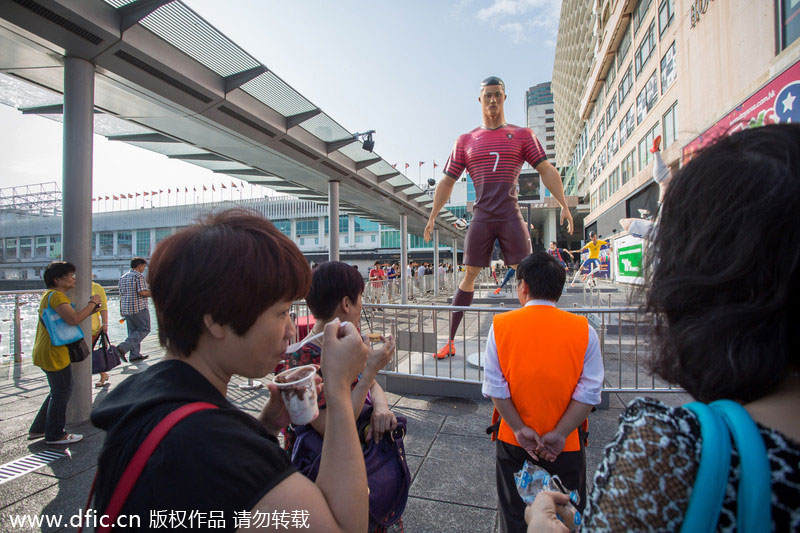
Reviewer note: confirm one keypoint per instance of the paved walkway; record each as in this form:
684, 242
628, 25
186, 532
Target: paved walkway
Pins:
450, 456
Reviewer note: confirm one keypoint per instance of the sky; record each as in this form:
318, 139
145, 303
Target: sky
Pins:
409, 70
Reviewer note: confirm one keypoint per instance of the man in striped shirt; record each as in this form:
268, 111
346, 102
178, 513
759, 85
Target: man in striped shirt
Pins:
133, 295
493, 154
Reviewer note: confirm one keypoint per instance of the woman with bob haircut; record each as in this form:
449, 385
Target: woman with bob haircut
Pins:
337, 292
59, 277
222, 291
723, 282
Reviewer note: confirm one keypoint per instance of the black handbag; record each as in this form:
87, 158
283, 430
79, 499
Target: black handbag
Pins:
106, 357
78, 351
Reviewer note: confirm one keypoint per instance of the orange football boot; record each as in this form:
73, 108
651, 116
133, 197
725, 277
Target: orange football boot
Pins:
448, 349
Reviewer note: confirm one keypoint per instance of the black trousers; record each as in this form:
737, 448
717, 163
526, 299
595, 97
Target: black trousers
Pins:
570, 467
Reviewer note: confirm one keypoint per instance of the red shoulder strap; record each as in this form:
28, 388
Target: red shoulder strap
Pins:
139, 460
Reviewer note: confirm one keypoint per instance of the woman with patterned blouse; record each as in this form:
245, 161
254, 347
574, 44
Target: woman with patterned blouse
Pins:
723, 284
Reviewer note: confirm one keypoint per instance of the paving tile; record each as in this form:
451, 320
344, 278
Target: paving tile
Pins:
442, 405
421, 429
414, 462
20, 488
458, 470
427, 516
62, 499
472, 425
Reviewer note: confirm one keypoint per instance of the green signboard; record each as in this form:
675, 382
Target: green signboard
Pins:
629, 261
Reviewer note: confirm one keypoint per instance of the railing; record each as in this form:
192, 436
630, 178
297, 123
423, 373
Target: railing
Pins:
420, 330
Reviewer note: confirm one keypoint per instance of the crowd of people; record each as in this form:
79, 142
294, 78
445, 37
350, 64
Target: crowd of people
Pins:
723, 329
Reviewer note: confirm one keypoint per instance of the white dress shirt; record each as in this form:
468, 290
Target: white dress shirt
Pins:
589, 384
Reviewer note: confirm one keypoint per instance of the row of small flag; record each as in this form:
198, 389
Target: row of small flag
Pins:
420, 164
161, 191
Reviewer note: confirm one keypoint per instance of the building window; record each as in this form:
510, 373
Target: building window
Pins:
106, 244
124, 244
344, 224
645, 49
161, 234
645, 156
625, 84
307, 227
628, 167
143, 243
613, 147
601, 129
284, 226
666, 12
547, 130
548, 111
55, 247
789, 28
603, 191
611, 75
613, 182
647, 98
359, 239
624, 44
600, 99
366, 226
626, 125
549, 120
611, 110
670, 125
640, 13
25, 244
550, 138
668, 70
593, 201
41, 246
390, 239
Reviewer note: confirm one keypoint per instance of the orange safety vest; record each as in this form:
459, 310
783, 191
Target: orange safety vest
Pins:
541, 350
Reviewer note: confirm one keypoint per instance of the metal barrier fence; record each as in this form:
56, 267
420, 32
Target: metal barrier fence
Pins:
420, 330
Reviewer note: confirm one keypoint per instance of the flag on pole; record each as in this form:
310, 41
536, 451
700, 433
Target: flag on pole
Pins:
212, 187
106, 197
115, 198
223, 185
435, 165
161, 190
205, 188
138, 195
146, 193
421, 163
394, 166
406, 165
234, 185
169, 191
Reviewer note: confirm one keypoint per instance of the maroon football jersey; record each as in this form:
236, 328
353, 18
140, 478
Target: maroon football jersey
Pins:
494, 159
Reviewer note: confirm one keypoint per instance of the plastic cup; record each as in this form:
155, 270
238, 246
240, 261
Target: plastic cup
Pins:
299, 393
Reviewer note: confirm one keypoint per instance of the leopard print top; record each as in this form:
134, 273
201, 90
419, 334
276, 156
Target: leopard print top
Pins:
645, 480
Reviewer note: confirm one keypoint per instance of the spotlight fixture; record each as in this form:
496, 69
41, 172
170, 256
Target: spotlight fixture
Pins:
367, 143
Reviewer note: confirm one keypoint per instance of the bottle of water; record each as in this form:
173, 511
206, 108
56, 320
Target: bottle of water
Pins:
532, 480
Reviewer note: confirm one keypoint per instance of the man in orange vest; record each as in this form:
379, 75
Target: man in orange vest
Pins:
543, 371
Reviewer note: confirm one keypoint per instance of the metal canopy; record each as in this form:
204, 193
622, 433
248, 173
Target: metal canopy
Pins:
168, 81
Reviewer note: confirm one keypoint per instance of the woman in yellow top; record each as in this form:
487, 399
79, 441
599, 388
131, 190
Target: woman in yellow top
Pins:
98, 325
59, 277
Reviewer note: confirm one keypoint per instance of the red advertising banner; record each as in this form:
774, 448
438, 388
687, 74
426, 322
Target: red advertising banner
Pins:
774, 103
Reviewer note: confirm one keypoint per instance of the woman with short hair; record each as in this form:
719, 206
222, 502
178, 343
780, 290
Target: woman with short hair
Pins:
222, 291
59, 277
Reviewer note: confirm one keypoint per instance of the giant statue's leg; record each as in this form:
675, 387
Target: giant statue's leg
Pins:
478, 246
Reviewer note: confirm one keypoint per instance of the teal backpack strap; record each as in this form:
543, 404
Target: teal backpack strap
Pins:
754, 493
711, 480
